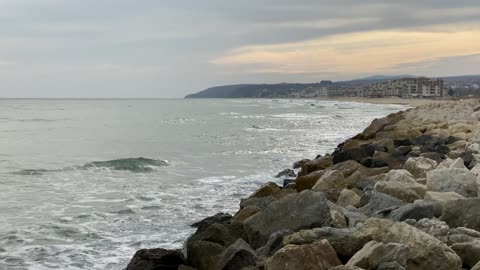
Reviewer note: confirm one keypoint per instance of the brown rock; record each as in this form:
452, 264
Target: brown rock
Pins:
308, 181
316, 256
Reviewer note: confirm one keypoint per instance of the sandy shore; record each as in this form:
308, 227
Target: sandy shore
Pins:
414, 102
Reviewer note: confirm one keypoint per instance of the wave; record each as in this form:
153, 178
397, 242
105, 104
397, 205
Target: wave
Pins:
128, 164
136, 165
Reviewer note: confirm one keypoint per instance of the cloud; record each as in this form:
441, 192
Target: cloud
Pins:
354, 53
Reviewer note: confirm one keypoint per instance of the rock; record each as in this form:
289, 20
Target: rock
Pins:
268, 189
438, 157
419, 166
159, 258
469, 252
316, 256
244, 213
222, 234
425, 251
375, 253
382, 159
391, 266
261, 203
346, 242
203, 254
287, 173
380, 201
476, 267
337, 216
308, 181
348, 197
458, 164
407, 192
318, 164
186, 267
347, 168
217, 218
417, 211
300, 163
462, 213
356, 154
439, 199
403, 176
287, 182
275, 242
345, 267
307, 209
404, 150
331, 183
460, 181
377, 125
237, 256
353, 216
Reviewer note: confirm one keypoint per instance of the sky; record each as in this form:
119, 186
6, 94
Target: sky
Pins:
170, 48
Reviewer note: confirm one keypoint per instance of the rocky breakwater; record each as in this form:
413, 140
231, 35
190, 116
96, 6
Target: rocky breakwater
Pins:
403, 194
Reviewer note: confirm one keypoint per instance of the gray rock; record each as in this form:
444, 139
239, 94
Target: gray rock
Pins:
345, 267
462, 213
476, 267
460, 181
261, 203
237, 256
419, 166
308, 209
439, 199
353, 216
417, 211
159, 258
287, 173
379, 201
391, 266
275, 242
374, 253
407, 192
469, 252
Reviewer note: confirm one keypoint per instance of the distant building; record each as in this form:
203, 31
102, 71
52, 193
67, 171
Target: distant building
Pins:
405, 88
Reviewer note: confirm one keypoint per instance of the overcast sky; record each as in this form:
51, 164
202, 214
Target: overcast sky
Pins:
169, 48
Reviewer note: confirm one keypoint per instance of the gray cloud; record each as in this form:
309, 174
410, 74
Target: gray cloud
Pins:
150, 48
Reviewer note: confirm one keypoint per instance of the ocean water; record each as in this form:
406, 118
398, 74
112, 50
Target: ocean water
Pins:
86, 183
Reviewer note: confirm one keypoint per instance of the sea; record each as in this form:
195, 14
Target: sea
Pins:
86, 183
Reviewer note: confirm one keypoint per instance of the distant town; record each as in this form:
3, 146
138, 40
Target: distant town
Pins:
373, 87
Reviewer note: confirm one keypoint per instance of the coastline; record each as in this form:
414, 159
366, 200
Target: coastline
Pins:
405, 184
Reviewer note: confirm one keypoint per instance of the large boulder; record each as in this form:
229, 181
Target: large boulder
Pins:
460, 181
331, 184
407, 192
316, 256
318, 164
462, 213
244, 213
439, 199
357, 154
267, 189
417, 211
153, 259
374, 253
203, 254
402, 176
307, 209
217, 218
469, 252
237, 256
223, 234
419, 166
425, 251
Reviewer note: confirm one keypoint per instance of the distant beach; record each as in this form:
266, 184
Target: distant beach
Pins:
414, 102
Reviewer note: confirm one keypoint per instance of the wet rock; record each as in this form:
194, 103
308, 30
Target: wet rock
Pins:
222, 234
261, 203
307, 209
356, 154
287, 182
287, 173
316, 256
382, 159
347, 168
268, 189
203, 254
300, 163
462, 213
374, 253
152, 259
217, 218
419, 166
348, 197
237, 256
318, 164
460, 181
469, 252
404, 150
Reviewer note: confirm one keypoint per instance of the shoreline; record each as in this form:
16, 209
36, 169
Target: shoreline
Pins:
413, 102
407, 184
